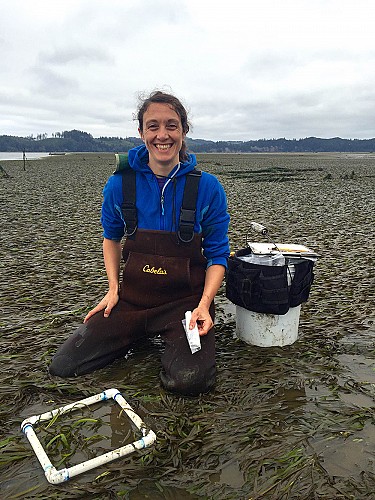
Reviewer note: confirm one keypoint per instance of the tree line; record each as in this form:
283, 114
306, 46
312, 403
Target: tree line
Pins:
79, 141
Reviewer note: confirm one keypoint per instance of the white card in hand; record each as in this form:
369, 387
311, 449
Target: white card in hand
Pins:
192, 335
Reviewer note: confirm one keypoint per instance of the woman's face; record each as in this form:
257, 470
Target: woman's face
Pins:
163, 135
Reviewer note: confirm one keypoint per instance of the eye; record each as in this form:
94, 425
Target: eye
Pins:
152, 126
171, 126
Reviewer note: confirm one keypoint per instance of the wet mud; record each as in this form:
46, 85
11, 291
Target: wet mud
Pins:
294, 422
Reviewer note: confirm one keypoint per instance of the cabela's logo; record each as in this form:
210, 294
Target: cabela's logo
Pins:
152, 270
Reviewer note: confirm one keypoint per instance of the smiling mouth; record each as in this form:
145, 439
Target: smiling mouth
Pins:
163, 147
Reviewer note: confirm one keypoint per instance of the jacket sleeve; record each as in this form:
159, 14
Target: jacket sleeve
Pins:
111, 218
214, 223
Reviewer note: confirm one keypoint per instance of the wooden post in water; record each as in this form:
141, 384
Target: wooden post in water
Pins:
24, 160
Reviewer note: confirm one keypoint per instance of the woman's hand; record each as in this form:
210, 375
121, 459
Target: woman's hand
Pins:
201, 314
107, 303
112, 256
202, 317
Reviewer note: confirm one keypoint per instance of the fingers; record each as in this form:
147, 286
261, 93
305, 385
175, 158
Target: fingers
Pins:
107, 311
202, 319
193, 319
204, 327
96, 309
110, 305
106, 303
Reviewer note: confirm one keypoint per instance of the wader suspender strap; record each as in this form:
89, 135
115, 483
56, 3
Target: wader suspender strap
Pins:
187, 215
129, 210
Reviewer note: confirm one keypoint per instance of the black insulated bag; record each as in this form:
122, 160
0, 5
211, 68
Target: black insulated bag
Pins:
264, 289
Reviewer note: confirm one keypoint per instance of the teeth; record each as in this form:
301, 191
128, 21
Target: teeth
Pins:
163, 146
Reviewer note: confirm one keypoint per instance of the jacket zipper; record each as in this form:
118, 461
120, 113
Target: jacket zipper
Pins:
162, 192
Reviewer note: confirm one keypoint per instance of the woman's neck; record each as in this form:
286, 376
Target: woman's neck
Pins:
162, 170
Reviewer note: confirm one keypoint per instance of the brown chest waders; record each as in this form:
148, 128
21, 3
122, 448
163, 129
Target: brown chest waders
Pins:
162, 279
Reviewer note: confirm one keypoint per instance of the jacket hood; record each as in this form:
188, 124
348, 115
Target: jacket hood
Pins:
138, 160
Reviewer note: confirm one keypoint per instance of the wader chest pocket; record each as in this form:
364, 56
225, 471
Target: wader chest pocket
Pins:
151, 280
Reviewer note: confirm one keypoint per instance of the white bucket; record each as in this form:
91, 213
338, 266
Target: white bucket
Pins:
267, 330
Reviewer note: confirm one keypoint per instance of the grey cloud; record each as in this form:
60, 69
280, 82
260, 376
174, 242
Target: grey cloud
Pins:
271, 63
126, 21
81, 66
322, 113
76, 55
52, 83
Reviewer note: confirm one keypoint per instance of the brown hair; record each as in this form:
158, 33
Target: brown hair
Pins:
161, 97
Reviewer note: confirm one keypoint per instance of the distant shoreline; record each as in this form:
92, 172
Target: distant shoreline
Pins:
19, 156
79, 141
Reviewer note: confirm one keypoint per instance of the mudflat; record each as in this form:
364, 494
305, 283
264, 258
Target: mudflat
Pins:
292, 422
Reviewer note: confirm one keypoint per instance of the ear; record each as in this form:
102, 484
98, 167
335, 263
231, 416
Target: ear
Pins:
140, 134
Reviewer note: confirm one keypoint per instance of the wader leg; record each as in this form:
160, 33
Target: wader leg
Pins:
183, 372
99, 342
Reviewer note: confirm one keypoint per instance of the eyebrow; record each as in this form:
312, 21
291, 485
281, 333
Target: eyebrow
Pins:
153, 120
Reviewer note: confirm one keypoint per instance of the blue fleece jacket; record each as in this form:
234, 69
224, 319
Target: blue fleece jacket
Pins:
160, 210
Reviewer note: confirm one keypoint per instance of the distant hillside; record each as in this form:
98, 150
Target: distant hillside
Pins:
308, 145
78, 141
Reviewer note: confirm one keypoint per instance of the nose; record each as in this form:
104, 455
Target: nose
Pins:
162, 133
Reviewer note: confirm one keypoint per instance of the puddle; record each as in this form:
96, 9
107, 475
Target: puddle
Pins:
230, 474
347, 456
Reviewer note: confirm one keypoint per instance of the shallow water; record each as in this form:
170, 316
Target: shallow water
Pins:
291, 422
19, 156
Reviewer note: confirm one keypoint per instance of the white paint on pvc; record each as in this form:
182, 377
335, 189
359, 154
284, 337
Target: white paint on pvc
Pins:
267, 330
58, 476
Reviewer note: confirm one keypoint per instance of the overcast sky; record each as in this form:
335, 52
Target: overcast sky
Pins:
246, 69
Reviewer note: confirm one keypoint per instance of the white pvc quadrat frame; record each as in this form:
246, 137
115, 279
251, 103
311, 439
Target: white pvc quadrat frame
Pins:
55, 476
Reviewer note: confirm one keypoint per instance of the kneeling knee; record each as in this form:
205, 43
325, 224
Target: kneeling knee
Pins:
62, 366
189, 382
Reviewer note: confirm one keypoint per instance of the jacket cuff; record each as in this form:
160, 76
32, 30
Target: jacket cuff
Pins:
109, 236
217, 260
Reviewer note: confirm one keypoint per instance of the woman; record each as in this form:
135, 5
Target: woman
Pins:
167, 272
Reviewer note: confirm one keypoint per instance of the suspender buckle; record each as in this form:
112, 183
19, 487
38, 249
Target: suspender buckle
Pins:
129, 214
187, 215
186, 229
